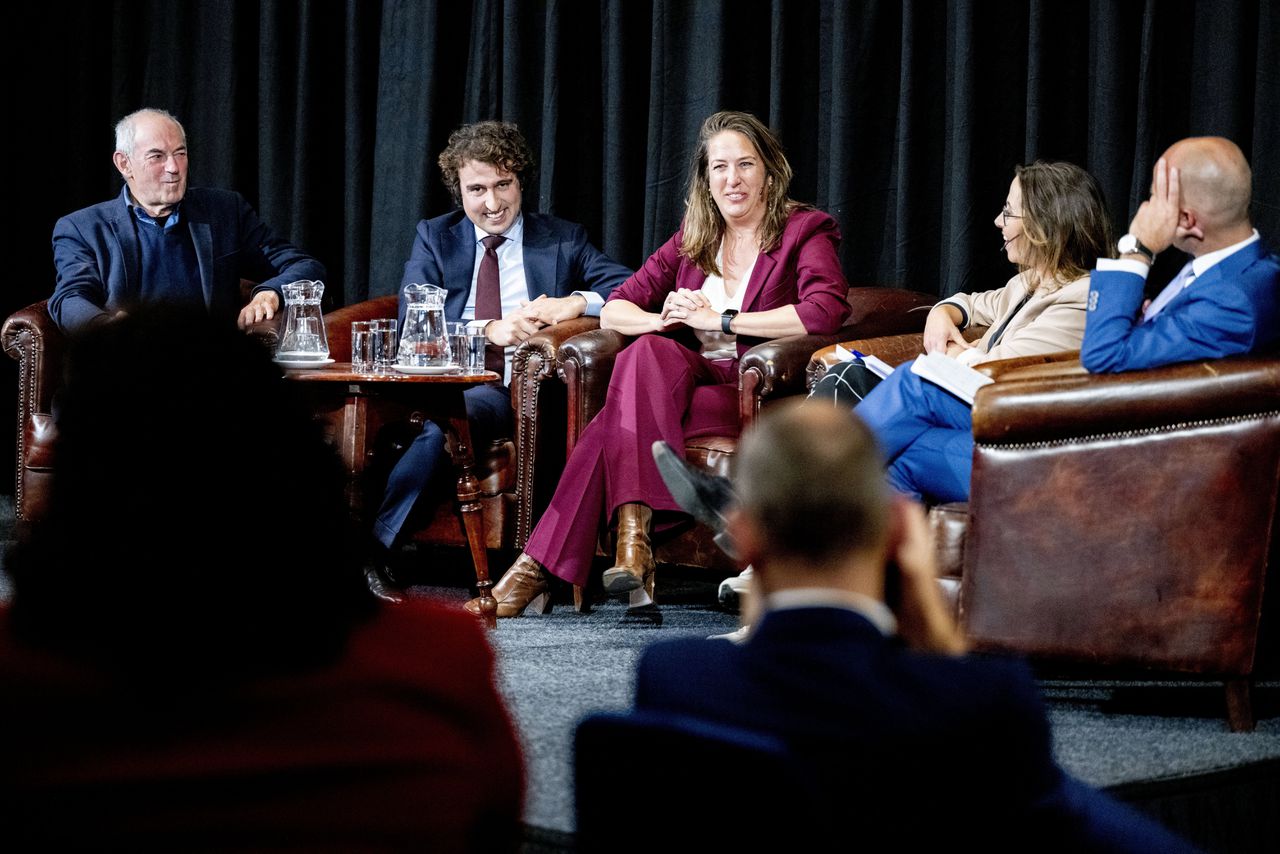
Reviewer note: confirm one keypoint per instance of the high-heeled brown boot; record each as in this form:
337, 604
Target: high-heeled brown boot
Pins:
523, 586
633, 562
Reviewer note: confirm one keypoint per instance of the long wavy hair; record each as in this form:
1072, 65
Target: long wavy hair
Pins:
1065, 223
703, 223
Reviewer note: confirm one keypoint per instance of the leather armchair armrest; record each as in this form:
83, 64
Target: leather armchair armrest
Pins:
1001, 368
776, 369
893, 349
32, 339
586, 363
538, 358
539, 401
1062, 400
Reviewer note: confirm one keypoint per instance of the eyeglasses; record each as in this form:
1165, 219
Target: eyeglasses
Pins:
1006, 215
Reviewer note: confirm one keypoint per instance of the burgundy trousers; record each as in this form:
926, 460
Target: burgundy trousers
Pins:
660, 390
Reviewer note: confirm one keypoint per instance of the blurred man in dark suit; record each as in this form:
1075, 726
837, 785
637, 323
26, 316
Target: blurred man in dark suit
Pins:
856, 663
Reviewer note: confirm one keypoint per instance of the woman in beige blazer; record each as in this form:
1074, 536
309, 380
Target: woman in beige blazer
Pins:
1055, 226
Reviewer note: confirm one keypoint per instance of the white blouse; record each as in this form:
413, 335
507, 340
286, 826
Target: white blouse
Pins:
716, 344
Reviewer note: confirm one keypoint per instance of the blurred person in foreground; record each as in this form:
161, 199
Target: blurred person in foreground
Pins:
857, 665
190, 658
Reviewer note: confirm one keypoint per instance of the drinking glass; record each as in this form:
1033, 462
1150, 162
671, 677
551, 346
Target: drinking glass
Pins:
362, 347
384, 344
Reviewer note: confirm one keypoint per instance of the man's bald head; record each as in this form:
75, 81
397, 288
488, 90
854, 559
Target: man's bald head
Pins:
1216, 181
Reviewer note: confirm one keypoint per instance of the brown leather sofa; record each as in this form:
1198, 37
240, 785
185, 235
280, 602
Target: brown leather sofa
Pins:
1117, 519
767, 373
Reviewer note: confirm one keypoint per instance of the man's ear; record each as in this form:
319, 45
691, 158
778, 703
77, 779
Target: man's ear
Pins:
121, 160
1189, 225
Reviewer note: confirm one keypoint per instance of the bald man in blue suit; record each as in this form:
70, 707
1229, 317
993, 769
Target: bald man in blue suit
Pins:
1223, 302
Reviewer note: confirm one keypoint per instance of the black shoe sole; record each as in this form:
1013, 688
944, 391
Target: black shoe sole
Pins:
683, 489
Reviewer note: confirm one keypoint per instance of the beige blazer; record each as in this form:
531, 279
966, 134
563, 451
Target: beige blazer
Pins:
1049, 322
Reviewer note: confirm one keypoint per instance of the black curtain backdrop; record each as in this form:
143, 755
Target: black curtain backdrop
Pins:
902, 118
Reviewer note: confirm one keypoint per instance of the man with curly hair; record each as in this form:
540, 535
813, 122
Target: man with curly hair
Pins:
507, 271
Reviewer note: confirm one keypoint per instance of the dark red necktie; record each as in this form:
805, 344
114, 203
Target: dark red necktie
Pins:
489, 298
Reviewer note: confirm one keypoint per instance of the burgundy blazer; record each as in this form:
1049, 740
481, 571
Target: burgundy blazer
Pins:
803, 270
401, 744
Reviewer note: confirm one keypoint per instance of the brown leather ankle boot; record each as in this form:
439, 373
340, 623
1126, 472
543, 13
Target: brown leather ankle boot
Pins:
633, 563
522, 586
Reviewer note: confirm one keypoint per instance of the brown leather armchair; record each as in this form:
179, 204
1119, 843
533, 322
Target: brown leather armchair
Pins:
1125, 519
35, 342
1116, 519
767, 373
517, 473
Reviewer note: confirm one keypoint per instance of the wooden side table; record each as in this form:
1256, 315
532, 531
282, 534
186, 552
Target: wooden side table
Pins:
354, 408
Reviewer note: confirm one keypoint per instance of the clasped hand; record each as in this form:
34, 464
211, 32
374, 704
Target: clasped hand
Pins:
532, 316
691, 308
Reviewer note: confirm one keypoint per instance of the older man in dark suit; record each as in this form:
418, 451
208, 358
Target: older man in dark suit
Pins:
507, 271
923, 746
162, 242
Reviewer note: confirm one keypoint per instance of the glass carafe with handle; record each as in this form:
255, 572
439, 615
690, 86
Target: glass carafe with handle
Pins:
303, 339
424, 340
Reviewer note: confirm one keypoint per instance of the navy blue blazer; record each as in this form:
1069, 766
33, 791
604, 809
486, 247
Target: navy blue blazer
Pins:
920, 749
558, 259
99, 262
1233, 308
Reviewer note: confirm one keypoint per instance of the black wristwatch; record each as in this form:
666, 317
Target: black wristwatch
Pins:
726, 317
1131, 245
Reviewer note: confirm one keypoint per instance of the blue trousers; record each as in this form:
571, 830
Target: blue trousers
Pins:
488, 410
925, 433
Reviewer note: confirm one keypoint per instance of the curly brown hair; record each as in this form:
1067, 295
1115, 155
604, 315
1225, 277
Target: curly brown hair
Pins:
500, 144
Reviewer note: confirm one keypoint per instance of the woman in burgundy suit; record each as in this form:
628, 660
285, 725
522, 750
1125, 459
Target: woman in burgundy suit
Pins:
747, 264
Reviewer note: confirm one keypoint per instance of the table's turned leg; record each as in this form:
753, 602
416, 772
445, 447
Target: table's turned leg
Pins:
464, 462
353, 447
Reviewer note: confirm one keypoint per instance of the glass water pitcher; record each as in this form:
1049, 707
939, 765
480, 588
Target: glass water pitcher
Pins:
424, 342
304, 338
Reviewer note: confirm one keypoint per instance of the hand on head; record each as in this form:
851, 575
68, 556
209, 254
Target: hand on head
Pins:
1156, 222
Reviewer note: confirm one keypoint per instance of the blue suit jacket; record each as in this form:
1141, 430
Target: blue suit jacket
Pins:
558, 259
926, 748
1233, 308
99, 262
